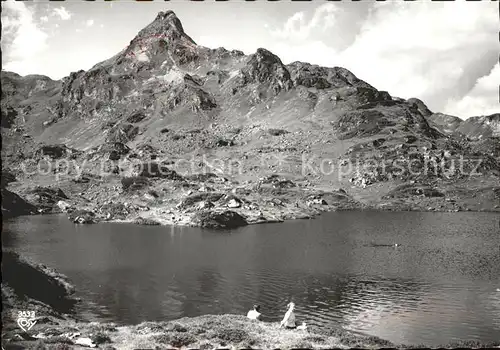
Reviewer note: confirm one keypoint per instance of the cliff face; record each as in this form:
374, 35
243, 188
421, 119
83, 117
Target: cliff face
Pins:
165, 98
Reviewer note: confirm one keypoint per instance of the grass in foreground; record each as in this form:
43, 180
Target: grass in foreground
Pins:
204, 332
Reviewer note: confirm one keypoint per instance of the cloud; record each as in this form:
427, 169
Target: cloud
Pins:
62, 13
44, 19
483, 99
25, 44
433, 51
22, 38
297, 28
89, 23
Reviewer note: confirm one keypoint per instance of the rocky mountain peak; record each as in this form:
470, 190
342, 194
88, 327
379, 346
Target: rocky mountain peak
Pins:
169, 18
265, 55
167, 26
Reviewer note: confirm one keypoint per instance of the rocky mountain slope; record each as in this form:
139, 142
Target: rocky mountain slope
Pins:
474, 128
167, 131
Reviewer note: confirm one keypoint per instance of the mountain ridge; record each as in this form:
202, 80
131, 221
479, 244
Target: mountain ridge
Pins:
164, 98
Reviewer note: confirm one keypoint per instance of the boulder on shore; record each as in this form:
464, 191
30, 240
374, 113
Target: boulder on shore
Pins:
112, 211
64, 206
46, 198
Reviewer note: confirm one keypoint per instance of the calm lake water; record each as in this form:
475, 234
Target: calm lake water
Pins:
441, 284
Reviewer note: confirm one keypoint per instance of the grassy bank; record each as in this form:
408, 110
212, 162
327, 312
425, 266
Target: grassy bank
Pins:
204, 332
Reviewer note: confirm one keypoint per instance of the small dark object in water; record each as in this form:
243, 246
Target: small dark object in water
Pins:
383, 245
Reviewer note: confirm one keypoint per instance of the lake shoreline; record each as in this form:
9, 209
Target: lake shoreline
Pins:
179, 219
214, 201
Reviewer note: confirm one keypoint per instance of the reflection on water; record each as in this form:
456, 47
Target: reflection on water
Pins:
437, 286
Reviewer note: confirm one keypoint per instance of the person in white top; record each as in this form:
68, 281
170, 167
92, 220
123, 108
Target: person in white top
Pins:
254, 314
289, 319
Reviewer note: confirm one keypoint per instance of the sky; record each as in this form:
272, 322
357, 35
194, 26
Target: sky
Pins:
444, 53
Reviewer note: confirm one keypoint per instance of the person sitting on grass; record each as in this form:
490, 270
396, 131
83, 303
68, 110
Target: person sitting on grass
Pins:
254, 314
289, 319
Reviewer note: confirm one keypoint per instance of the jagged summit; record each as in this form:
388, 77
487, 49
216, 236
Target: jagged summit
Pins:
171, 17
163, 41
166, 25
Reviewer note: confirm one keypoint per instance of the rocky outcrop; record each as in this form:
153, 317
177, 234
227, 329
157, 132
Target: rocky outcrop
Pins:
145, 221
361, 124
114, 211
190, 93
310, 76
264, 67
193, 199
122, 133
46, 198
414, 189
136, 117
202, 177
134, 183
421, 107
110, 150
156, 170
57, 151
219, 220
